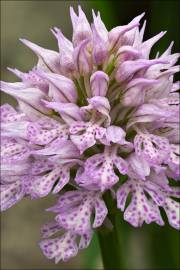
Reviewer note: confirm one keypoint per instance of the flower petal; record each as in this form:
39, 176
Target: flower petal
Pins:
62, 88
30, 96
101, 212
69, 112
171, 208
11, 194
50, 228
60, 248
50, 58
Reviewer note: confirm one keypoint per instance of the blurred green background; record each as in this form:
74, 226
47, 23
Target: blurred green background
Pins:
149, 247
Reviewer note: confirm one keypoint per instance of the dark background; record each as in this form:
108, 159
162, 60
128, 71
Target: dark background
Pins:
149, 247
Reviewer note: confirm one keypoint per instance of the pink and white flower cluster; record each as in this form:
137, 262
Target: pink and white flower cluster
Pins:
97, 109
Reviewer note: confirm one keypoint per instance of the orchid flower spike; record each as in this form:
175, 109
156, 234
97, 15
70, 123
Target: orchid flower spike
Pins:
98, 110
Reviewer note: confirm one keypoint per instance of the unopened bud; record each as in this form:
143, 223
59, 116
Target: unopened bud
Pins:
83, 58
99, 83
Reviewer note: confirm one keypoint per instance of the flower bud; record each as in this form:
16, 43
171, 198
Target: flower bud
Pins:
100, 40
81, 27
31, 79
30, 96
139, 166
100, 49
49, 58
126, 53
99, 83
135, 92
69, 112
127, 69
65, 51
118, 35
116, 134
148, 44
82, 58
99, 104
61, 89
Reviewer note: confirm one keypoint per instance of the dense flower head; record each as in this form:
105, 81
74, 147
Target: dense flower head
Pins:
97, 111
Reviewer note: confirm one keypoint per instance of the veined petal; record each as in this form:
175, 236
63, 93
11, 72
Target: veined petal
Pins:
126, 53
138, 38
14, 169
146, 46
31, 96
135, 92
69, 112
81, 27
99, 104
50, 58
139, 166
31, 79
31, 113
63, 149
62, 88
100, 26
14, 129
116, 134
100, 40
116, 35
15, 85
82, 58
99, 83
65, 52
100, 47
129, 36
127, 69
168, 50
149, 112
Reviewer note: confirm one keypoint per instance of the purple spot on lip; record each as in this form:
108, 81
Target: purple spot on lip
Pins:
145, 208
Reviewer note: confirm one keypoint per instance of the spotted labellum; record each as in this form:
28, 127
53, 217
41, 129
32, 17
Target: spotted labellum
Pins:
98, 116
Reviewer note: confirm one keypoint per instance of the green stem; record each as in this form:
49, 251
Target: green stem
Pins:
81, 94
109, 251
109, 240
109, 69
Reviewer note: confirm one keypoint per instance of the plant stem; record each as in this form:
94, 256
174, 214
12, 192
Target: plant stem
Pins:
109, 250
109, 241
81, 94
